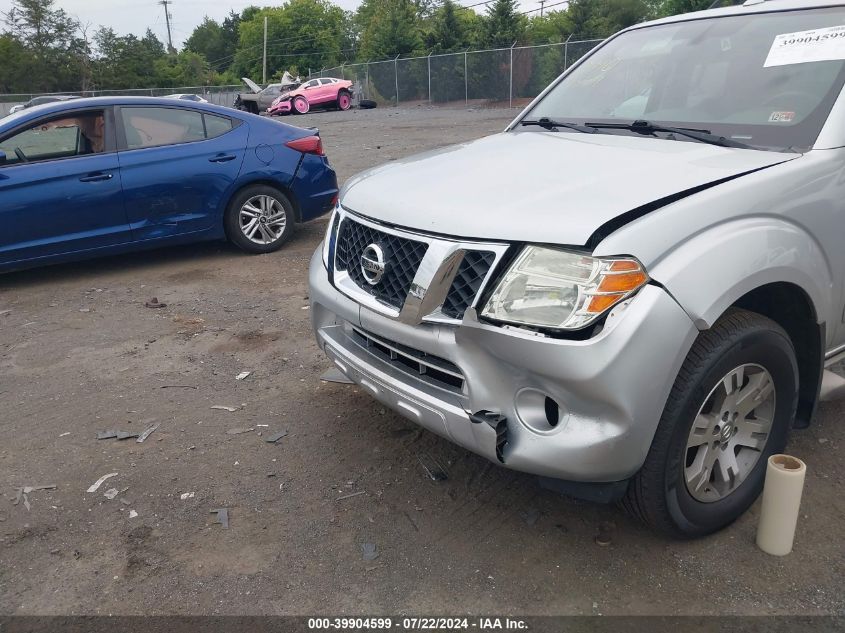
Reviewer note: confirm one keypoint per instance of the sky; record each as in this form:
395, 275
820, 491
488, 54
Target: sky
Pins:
134, 16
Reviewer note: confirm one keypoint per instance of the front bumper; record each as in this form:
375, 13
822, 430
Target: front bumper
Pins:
283, 107
610, 389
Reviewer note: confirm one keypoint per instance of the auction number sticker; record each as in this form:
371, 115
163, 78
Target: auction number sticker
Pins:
818, 45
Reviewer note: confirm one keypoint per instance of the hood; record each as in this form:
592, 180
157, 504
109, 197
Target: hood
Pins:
288, 79
251, 84
532, 186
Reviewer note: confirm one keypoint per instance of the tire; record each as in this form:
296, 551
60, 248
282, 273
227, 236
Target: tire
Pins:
300, 105
344, 100
266, 235
674, 493
367, 104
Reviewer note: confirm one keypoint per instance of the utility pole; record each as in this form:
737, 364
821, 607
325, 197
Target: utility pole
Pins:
542, 4
265, 51
167, 17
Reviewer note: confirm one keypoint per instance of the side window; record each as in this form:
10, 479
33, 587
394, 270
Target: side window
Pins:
326, 82
76, 134
152, 127
216, 125
311, 84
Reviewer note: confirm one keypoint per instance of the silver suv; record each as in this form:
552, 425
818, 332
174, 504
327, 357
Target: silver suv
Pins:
633, 290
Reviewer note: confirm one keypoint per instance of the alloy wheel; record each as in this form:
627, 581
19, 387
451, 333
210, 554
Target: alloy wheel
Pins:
301, 105
262, 219
729, 433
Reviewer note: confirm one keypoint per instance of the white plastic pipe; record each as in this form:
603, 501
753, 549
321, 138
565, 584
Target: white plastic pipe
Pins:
781, 503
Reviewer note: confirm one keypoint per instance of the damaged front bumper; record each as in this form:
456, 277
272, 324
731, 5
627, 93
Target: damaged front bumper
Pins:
581, 411
280, 107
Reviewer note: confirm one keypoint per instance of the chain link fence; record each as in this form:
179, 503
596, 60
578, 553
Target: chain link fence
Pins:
220, 95
505, 76
487, 78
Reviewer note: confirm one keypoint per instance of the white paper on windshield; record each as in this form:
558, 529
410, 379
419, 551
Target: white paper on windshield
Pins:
818, 45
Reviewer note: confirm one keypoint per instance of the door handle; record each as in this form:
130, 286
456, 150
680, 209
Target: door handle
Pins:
96, 177
222, 158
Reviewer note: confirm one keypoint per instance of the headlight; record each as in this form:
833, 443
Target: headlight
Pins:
551, 288
331, 236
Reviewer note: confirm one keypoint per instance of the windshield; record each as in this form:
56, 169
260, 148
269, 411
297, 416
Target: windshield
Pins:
766, 80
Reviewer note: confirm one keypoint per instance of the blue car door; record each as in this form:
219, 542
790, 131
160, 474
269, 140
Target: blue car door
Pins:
177, 164
60, 187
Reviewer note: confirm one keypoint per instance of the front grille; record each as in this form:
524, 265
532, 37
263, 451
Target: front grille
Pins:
471, 274
433, 370
402, 258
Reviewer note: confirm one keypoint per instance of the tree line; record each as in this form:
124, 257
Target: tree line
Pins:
44, 49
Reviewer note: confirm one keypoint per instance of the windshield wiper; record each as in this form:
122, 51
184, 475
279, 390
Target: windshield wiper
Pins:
551, 124
644, 127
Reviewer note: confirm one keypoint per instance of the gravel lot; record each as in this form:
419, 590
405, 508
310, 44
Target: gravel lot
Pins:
79, 353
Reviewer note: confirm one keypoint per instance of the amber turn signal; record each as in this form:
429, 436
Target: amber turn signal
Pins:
619, 280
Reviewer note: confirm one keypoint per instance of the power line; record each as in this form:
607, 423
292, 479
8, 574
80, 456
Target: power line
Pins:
290, 40
548, 6
285, 55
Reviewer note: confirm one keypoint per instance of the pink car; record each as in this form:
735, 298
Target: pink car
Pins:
321, 92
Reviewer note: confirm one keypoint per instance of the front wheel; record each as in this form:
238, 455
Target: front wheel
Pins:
301, 105
344, 100
259, 219
731, 407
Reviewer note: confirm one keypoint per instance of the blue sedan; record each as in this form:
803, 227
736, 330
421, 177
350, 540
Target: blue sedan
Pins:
108, 175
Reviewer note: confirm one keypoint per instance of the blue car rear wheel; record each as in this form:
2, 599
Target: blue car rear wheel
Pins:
259, 219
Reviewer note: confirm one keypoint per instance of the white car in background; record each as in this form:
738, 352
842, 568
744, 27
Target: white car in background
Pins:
41, 100
187, 97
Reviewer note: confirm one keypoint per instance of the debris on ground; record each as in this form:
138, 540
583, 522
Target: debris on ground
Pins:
222, 517
349, 496
93, 487
22, 493
120, 435
132, 514
433, 468
146, 433
155, 303
186, 495
275, 437
530, 515
5, 312
222, 407
605, 535
369, 551
64, 434
240, 431
111, 493
243, 375
335, 375
178, 387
